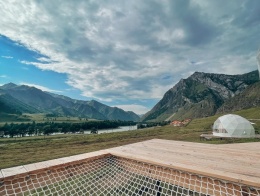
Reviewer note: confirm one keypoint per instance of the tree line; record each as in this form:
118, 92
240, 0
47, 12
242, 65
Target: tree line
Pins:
152, 124
47, 128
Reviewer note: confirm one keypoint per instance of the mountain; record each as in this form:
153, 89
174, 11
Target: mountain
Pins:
25, 99
73, 107
8, 86
113, 113
200, 95
248, 98
11, 105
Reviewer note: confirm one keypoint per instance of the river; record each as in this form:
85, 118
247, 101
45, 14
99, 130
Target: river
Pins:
119, 129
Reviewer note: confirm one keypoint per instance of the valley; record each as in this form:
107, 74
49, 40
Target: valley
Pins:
38, 148
202, 97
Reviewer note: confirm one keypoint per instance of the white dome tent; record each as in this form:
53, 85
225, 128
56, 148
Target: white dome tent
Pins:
232, 125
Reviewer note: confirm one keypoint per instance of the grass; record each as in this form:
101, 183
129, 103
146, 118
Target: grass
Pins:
41, 117
12, 118
38, 118
27, 150
20, 151
252, 113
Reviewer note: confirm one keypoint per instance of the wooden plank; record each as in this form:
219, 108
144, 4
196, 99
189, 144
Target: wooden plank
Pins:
1, 175
203, 151
196, 153
233, 163
13, 171
250, 147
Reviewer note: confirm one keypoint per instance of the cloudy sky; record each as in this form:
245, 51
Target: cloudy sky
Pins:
124, 53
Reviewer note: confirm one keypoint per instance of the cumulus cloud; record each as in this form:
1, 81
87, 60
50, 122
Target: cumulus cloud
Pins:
134, 49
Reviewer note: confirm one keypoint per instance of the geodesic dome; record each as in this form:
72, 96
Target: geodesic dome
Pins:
232, 125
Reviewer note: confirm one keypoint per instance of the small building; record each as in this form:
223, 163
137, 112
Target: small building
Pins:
232, 125
177, 123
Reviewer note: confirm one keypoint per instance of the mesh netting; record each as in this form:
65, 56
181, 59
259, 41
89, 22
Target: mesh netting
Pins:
119, 176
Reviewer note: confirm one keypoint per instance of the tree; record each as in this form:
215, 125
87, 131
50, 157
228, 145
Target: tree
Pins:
65, 128
94, 130
47, 130
6, 128
12, 130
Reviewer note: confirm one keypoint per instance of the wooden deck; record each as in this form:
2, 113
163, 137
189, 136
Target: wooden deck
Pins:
233, 162
239, 163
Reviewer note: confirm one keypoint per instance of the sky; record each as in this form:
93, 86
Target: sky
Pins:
124, 53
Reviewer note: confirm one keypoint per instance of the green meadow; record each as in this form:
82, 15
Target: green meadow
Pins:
25, 150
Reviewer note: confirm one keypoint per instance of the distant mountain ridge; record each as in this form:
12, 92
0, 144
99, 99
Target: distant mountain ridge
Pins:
204, 94
25, 99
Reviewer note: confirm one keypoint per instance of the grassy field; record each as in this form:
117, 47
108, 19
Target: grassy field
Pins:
19, 151
38, 118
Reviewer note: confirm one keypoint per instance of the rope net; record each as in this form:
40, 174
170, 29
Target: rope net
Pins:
119, 176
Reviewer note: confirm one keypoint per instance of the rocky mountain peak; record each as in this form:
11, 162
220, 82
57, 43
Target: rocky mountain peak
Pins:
200, 95
8, 86
226, 85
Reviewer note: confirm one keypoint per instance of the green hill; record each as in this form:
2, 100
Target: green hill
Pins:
15, 99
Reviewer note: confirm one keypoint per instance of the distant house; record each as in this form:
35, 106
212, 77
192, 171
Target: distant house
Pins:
177, 123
